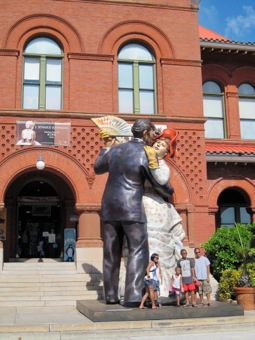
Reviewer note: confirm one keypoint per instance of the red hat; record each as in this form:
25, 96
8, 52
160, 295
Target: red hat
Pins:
170, 134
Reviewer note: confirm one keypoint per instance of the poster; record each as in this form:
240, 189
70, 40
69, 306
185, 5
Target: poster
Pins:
42, 133
69, 244
3, 225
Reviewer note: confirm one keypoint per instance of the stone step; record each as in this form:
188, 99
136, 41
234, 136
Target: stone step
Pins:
48, 288
54, 303
55, 292
48, 267
50, 278
26, 304
38, 272
47, 284
40, 296
60, 265
41, 284
88, 285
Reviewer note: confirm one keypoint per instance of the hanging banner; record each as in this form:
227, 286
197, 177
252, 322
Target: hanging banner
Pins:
42, 133
3, 225
69, 244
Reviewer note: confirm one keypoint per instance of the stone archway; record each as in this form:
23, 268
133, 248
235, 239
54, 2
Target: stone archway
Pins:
240, 183
38, 204
234, 204
60, 167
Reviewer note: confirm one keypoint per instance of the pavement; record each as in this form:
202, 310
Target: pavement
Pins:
67, 323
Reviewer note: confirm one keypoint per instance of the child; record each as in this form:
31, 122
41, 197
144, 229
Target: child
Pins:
176, 285
188, 277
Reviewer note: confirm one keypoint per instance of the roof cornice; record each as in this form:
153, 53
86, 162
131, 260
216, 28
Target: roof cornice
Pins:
211, 45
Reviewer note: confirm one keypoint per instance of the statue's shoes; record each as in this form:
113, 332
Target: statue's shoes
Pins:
112, 302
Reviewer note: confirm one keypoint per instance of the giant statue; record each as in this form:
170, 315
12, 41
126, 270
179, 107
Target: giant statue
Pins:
164, 224
123, 213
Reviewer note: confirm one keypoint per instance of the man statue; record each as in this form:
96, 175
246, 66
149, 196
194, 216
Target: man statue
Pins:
123, 214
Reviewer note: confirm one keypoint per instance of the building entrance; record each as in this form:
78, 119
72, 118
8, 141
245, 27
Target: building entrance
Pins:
39, 208
39, 228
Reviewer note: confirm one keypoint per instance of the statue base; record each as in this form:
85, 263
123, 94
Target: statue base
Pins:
98, 311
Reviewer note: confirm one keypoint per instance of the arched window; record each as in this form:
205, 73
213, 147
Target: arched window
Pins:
214, 110
136, 80
246, 93
232, 208
42, 75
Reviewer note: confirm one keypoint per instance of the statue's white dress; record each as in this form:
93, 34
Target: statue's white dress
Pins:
165, 230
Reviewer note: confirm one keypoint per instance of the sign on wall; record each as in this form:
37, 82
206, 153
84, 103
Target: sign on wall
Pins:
3, 224
69, 244
42, 133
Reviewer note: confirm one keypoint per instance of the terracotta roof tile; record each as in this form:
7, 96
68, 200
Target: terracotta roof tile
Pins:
205, 33
230, 149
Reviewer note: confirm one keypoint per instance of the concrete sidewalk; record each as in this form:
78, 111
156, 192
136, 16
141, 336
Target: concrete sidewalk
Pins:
66, 323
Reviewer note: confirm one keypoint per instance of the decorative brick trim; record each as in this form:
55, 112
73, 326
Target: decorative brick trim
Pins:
9, 52
88, 208
181, 62
94, 57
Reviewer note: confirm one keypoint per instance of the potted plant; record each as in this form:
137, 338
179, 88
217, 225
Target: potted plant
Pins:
245, 293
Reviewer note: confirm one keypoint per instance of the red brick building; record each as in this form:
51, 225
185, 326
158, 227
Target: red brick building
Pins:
65, 62
228, 75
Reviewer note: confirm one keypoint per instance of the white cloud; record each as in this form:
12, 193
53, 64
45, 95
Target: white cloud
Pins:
208, 15
242, 24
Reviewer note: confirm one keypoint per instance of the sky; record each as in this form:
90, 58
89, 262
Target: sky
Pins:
234, 19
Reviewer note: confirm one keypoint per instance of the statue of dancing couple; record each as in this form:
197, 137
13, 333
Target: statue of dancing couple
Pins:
135, 208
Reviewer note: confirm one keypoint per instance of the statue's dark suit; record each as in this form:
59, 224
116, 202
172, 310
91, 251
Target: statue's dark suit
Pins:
123, 214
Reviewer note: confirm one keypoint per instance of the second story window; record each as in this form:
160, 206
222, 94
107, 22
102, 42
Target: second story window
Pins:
42, 75
246, 93
136, 80
214, 110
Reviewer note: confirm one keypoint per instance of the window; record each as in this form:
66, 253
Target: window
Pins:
246, 94
136, 78
42, 75
232, 215
232, 208
213, 110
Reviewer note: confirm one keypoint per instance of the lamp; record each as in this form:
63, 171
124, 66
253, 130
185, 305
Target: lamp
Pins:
40, 163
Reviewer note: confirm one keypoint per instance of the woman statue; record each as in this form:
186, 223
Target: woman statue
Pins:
165, 230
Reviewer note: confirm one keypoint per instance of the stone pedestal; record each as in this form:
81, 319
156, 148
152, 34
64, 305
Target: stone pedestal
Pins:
98, 311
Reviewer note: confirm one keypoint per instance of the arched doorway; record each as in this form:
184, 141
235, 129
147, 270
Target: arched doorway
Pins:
39, 206
234, 207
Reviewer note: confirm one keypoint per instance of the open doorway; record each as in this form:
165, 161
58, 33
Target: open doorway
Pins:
39, 228
39, 209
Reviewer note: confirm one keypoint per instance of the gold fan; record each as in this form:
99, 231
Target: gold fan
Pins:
114, 126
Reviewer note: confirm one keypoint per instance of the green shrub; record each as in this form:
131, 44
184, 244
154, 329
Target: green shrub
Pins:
228, 280
223, 248
251, 272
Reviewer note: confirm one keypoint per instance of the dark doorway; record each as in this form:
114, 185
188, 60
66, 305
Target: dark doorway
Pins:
39, 207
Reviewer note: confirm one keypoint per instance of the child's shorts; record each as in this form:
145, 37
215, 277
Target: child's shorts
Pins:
176, 291
188, 287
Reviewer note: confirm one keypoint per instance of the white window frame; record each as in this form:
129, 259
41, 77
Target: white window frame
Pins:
214, 110
139, 98
43, 81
